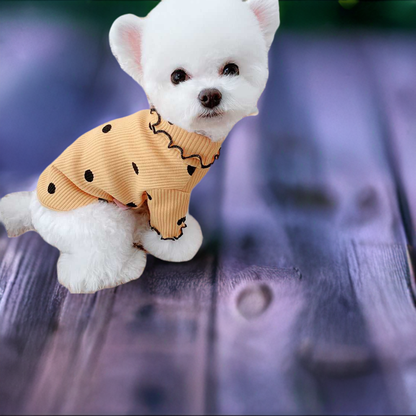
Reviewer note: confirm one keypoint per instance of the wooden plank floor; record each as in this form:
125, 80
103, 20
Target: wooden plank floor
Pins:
300, 300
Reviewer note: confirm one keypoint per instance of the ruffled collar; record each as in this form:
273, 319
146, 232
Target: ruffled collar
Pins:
195, 149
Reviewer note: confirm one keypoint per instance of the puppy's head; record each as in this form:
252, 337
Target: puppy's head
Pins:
202, 63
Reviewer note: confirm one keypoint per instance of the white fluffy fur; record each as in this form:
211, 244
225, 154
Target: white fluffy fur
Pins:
15, 213
200, 37
96, 244
268, 15
180, 250
125, 43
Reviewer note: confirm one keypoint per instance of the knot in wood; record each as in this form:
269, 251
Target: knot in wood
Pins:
254, 300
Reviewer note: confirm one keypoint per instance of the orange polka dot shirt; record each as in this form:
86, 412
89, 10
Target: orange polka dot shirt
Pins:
129, 161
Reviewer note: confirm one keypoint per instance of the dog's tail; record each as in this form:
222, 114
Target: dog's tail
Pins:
15, 213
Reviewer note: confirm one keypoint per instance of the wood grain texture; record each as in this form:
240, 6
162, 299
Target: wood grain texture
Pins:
316, 176
396, 100
299, 301
140, 348
29, 308
137, 349
395, 92
379, 274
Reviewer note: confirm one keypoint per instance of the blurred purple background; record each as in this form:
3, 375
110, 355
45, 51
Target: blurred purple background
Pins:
58, 80
309, 210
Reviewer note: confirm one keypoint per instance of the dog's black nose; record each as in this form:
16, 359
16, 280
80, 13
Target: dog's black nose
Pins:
210, 98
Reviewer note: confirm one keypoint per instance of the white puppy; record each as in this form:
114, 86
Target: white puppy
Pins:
204, 66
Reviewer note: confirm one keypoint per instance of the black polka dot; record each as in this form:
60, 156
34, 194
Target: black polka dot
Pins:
181, 221
132, 205
51, 188
191, 170
107, 128
89, 176
149, 197
136, 169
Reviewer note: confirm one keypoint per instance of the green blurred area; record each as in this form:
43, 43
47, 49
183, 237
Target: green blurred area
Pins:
296, 15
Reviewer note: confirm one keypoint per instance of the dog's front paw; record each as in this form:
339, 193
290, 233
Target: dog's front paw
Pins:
183, 249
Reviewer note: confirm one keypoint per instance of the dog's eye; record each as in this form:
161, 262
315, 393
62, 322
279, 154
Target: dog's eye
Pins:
231, 70
179, 76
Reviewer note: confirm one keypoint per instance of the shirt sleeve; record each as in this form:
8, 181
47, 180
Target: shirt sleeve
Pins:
168, 210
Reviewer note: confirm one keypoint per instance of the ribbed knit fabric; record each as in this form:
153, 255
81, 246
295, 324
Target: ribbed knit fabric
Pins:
130, 160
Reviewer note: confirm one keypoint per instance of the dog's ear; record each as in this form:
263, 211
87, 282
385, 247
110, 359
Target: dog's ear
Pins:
268, 15
126, 44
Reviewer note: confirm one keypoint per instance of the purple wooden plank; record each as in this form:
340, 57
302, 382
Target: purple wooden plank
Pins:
30, 300
140, 348
255, 362
391, 63
379, 275
314, 177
